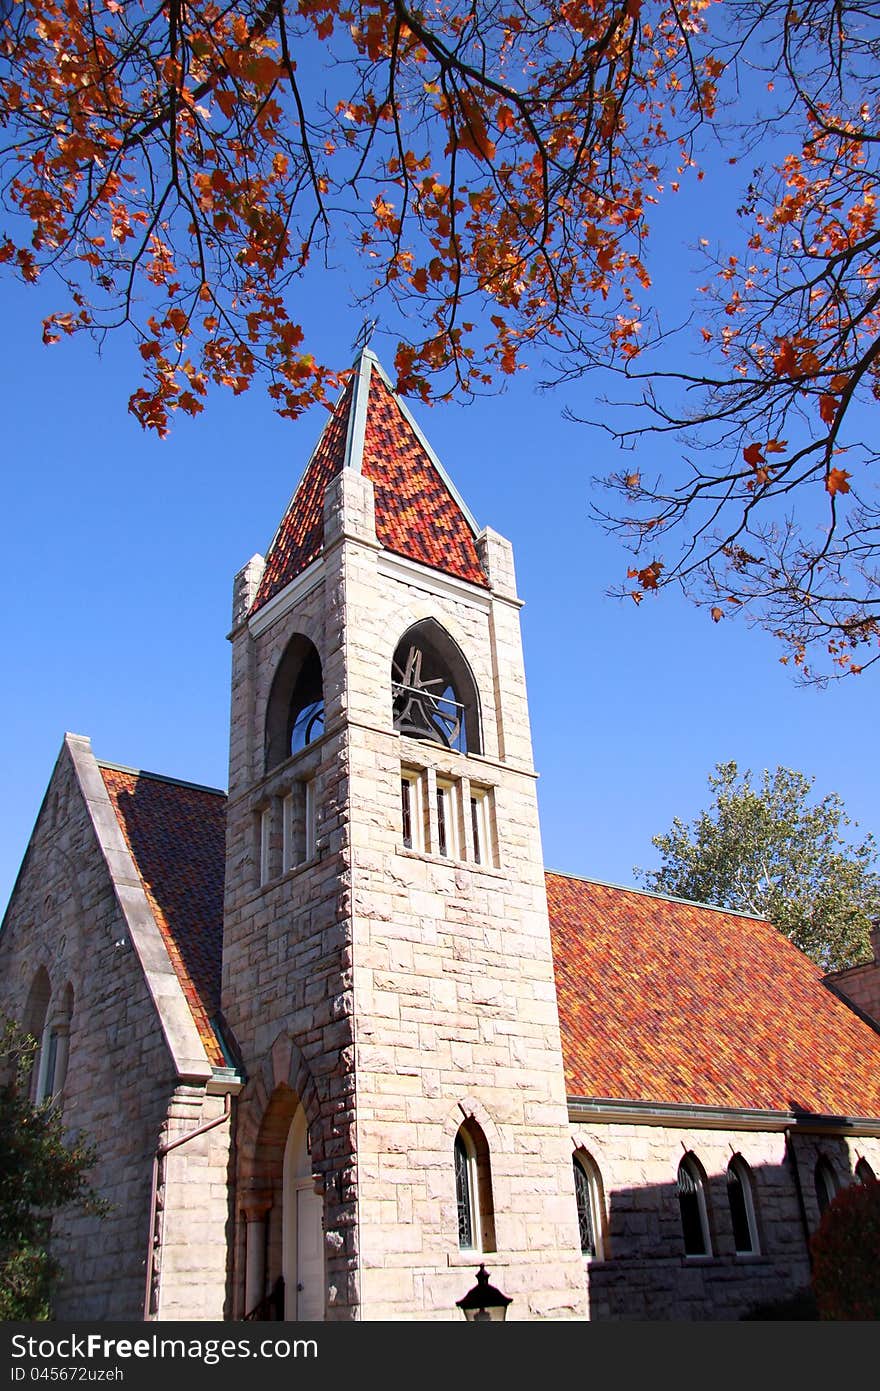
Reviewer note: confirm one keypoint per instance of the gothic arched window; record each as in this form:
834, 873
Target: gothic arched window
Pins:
741, 1198
825, 1181
295, 712
35, 1021
590, 1206
434, 695
864, 1172
473, 1189
691, 1192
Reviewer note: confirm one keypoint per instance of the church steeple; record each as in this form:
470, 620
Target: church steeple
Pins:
387, 970
419, 513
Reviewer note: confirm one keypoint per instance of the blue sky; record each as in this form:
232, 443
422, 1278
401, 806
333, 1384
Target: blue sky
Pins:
120, 549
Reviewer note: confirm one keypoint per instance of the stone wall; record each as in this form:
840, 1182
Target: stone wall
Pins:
861, 984
195, 1192
646, 1274
64, 916
396, 993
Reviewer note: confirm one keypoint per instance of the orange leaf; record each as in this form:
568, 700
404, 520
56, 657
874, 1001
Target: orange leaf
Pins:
785, 359
717, 615
828, 408
837, 481
753, 455
227, 101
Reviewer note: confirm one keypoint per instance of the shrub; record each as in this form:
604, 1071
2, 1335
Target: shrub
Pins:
846, 1255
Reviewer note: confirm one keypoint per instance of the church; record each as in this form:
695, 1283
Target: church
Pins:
340, 1040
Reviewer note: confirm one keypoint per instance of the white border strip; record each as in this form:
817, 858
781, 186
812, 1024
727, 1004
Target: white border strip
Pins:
296, 589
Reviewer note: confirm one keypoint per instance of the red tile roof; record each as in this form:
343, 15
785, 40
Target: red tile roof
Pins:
300, 537
666, 1001
176, 835
417, 515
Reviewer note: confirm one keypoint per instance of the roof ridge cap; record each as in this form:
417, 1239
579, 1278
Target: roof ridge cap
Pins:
160, 777
353, 453
652, 893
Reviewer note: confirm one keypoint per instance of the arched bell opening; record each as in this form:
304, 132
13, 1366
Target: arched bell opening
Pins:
295, 711
434, 694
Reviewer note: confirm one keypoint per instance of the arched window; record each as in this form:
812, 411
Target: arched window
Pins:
826, 1183
590, 1206
691, 1192
864, 1172
434, 695
36, 1012
473, 1189
741, 1198
295, 712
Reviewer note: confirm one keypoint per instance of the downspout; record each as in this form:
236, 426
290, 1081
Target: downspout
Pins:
802, 1209
153, 1242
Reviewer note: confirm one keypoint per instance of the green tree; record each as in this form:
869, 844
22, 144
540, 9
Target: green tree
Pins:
41, 1171
773, 850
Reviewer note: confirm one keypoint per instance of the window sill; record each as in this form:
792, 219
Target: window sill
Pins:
459, 1260
288, 874
450, 863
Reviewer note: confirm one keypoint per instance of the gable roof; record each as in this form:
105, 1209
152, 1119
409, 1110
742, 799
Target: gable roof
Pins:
667, 1001
419, 514
175, 833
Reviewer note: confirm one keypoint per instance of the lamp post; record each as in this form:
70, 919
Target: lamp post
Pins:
483, 1303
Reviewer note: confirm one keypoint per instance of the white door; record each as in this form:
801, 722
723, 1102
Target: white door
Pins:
302, 1229
309, 1255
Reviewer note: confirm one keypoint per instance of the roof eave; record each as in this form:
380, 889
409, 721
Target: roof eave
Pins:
677, 1115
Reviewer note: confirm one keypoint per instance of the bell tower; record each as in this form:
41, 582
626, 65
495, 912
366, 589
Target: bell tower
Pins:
387, 964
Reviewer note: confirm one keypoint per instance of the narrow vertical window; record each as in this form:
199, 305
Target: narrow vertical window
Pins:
825, 1182
411, 814
481, 826
477, 830
406, 811
442, 830
864, 1172
265, 845
48, 1059
311, 837
590, 1206
741, 1199
464, 1194
288, 833
447, 820
692, 1207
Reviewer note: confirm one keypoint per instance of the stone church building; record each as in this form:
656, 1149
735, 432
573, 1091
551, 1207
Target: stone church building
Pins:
338, 1037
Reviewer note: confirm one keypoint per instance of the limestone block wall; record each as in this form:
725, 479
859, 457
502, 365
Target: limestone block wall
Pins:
646, 1274
64, 916
286, 961
398, 992
194, 1208
454, 995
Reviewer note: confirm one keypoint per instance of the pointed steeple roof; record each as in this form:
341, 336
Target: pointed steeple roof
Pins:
419, 514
